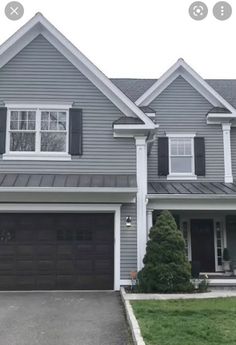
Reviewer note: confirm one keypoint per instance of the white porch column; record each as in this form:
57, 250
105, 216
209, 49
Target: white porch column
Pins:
141, 172
149, 221
227, 152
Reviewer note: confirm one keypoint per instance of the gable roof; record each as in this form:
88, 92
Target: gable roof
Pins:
134, 88
180, 68
40, 25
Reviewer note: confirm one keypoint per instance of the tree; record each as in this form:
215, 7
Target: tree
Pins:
166, 268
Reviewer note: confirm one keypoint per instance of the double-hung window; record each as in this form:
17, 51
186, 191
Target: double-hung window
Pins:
181, 156
37, 133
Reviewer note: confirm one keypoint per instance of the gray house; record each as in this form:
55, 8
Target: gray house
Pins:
87, 163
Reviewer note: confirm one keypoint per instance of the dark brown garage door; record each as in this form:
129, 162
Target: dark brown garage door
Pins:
56, 251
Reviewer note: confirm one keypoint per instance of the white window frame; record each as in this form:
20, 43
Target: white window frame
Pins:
181, 176
37, 154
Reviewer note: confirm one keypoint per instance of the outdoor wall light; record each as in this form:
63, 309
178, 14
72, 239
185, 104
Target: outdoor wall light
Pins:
128, 221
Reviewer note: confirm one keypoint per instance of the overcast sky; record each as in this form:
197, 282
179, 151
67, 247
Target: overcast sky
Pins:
139, 38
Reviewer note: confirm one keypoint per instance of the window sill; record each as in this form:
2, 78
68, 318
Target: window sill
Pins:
37, 157
181, 177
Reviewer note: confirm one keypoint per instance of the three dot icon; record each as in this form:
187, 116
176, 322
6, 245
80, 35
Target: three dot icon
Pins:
199, 11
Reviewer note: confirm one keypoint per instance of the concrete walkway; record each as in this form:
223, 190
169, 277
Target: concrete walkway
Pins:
212, 294
62, 318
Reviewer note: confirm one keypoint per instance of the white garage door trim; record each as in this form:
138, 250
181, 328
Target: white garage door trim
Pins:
64, 208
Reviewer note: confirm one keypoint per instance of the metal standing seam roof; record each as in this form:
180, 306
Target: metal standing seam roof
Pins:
67, 180
192, 188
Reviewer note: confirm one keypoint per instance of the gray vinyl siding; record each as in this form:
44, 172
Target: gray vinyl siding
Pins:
40, 74
181, 109
128, 259
233, 150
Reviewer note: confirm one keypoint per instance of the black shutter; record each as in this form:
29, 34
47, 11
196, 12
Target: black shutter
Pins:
75, 133
163, 156
199, 151
3, 126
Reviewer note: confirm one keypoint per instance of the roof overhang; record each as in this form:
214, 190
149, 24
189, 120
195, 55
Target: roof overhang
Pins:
181, 68
133, 130
67, 195
217, 118
40, 25
191, 202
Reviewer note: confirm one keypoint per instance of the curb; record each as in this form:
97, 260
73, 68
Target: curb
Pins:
133, 323
148, 297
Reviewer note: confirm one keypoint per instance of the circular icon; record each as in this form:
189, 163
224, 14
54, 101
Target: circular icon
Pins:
222, 10
198, 10
14, 10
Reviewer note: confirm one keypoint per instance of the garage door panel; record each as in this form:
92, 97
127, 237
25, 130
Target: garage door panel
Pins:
25, 251
7, 266
47, 282
25, 267
56, 251
6, 250
46, 266
65, 281
85, 282
25, 282
84, 266
7, 282
65, 267
45, 251
65, 251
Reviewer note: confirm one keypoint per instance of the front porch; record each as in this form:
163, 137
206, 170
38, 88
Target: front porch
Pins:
205, 213
206, 234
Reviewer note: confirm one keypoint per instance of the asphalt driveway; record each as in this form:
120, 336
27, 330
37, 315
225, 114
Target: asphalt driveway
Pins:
62, 318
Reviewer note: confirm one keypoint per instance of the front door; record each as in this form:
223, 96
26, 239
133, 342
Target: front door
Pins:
202, 243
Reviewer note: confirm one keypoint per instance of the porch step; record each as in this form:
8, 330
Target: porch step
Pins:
228, 283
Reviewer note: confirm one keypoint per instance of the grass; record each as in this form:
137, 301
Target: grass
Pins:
187, 322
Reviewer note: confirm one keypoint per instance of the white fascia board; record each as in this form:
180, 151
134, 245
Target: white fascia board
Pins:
217, 118
180, 135
192, 204
181, 68
53, 106
40, 25
135, 127
68, 189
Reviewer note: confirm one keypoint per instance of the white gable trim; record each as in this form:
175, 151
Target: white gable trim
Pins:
181, 68
40, 25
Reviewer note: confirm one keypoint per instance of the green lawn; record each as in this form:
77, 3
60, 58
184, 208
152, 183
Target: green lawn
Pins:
188, 322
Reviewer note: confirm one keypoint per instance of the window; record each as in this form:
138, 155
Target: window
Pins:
37, 131
181, 156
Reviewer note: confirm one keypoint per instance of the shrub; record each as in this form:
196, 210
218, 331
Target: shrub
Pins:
166, 268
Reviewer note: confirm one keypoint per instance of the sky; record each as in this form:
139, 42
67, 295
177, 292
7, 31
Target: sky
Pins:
138, 38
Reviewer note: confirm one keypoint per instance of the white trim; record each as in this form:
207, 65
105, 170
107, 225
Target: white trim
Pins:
188, 203
37, 154
57, 156
34, 106
182, 176
40, 25
149, 221
180, 135
227, 152
125, 282
141, 172
88, 208
181, 68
